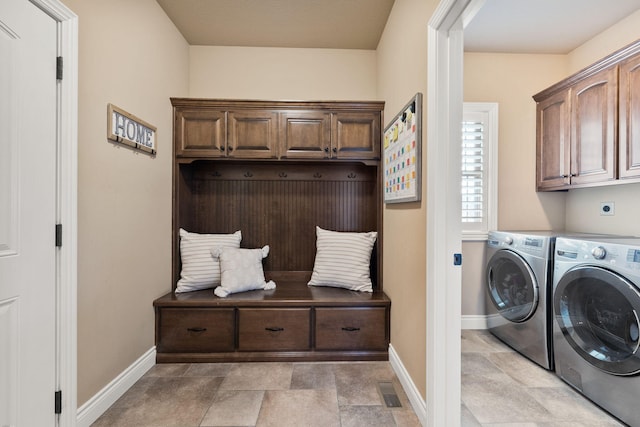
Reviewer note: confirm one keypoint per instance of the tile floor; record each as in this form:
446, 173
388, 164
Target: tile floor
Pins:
527, 395
346, 394
261, 394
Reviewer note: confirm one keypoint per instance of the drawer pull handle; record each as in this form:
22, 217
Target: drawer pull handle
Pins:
196, 329
274, 329
350, 329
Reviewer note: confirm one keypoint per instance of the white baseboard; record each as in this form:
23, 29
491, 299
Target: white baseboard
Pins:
98, 404
474, 322
418, 404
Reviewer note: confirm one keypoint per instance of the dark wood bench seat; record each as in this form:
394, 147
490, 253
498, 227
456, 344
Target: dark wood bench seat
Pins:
293, 322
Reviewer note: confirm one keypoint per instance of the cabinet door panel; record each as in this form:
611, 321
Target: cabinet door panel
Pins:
305, 134
200, 133
196, 330
553, 142
351, 328
253, 134
629, 110
593, 128
356, 135
274, 329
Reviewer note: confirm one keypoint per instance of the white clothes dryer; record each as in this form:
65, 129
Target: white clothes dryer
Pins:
596, 327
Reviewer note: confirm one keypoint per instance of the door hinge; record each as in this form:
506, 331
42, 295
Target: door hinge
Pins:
59, 67
58, 235
58, 402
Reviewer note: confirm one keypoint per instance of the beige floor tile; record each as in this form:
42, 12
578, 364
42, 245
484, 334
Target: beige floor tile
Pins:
525, 371
406, 418
167, 402
366, 416
313, 376
295, 408
258, 376
495, 401
357, 384
234, 408
208, 370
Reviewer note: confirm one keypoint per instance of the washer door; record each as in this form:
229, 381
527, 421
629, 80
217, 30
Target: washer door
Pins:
512, 286
597, 311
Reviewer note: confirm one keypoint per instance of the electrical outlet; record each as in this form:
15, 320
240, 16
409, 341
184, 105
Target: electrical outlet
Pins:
607, 208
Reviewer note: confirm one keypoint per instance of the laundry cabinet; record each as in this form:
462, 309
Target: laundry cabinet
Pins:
584, 125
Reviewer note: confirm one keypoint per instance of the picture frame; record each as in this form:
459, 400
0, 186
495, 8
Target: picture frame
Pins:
402, 154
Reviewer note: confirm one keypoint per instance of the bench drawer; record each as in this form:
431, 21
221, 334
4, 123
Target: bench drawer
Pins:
196, 330
363, 328
277, 329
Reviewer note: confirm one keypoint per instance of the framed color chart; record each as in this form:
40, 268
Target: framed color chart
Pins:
402, 154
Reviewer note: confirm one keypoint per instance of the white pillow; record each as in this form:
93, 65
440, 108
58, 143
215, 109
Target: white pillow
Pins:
343, 259
199, 269
241, 270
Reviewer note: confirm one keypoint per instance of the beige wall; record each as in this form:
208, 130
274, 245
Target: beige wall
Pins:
135, 60
281, 73
511, 80
583, 206
402, 72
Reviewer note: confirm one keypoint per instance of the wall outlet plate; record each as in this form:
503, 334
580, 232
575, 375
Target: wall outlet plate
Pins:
607, 208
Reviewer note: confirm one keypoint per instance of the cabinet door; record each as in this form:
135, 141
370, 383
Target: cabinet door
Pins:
553, 142
355, 135
200, 133
629, 120
252, 134
593, 128
305, 134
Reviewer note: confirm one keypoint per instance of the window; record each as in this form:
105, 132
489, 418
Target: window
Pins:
479, 169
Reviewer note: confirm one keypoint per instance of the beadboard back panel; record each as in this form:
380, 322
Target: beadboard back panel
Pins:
278, 204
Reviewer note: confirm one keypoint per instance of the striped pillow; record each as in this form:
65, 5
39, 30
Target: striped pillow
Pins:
199, 269
342, 260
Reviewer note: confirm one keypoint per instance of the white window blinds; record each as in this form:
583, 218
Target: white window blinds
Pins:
473, 184
479, 169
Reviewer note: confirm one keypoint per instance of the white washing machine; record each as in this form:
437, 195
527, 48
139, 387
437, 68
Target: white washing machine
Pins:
518, 291
596, 328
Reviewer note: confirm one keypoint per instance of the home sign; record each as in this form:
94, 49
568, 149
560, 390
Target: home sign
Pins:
125, 128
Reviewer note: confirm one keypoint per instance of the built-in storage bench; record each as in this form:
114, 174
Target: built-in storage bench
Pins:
275, 171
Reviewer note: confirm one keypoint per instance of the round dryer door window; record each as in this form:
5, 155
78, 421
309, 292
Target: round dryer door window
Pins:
597, 311
513, 289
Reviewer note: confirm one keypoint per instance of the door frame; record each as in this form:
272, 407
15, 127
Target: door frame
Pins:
66, 207
444, 235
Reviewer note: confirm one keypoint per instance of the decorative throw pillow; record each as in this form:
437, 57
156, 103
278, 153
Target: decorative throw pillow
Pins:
241, 270
343, 259
199, 269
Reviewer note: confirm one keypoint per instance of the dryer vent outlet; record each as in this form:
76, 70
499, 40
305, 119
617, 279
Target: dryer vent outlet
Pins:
607, 208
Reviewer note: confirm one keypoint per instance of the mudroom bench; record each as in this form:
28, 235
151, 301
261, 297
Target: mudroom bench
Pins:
292, 322
276, 171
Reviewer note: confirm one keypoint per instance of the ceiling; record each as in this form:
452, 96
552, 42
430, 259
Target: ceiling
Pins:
517, 26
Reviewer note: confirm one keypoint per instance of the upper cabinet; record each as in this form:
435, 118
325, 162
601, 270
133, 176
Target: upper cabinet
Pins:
584, 125
629, 117
209, 128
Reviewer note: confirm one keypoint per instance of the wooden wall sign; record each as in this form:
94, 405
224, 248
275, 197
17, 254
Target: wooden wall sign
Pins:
125, 128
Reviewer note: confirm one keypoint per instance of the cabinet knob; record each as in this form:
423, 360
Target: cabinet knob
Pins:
230, 149
350, 329
196, 329
326, 149
335, 150
274, 329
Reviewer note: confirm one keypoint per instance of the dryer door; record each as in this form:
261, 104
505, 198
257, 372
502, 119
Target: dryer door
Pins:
512, 286
597, 311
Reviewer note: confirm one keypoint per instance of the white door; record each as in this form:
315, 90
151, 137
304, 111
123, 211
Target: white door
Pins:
28, 44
